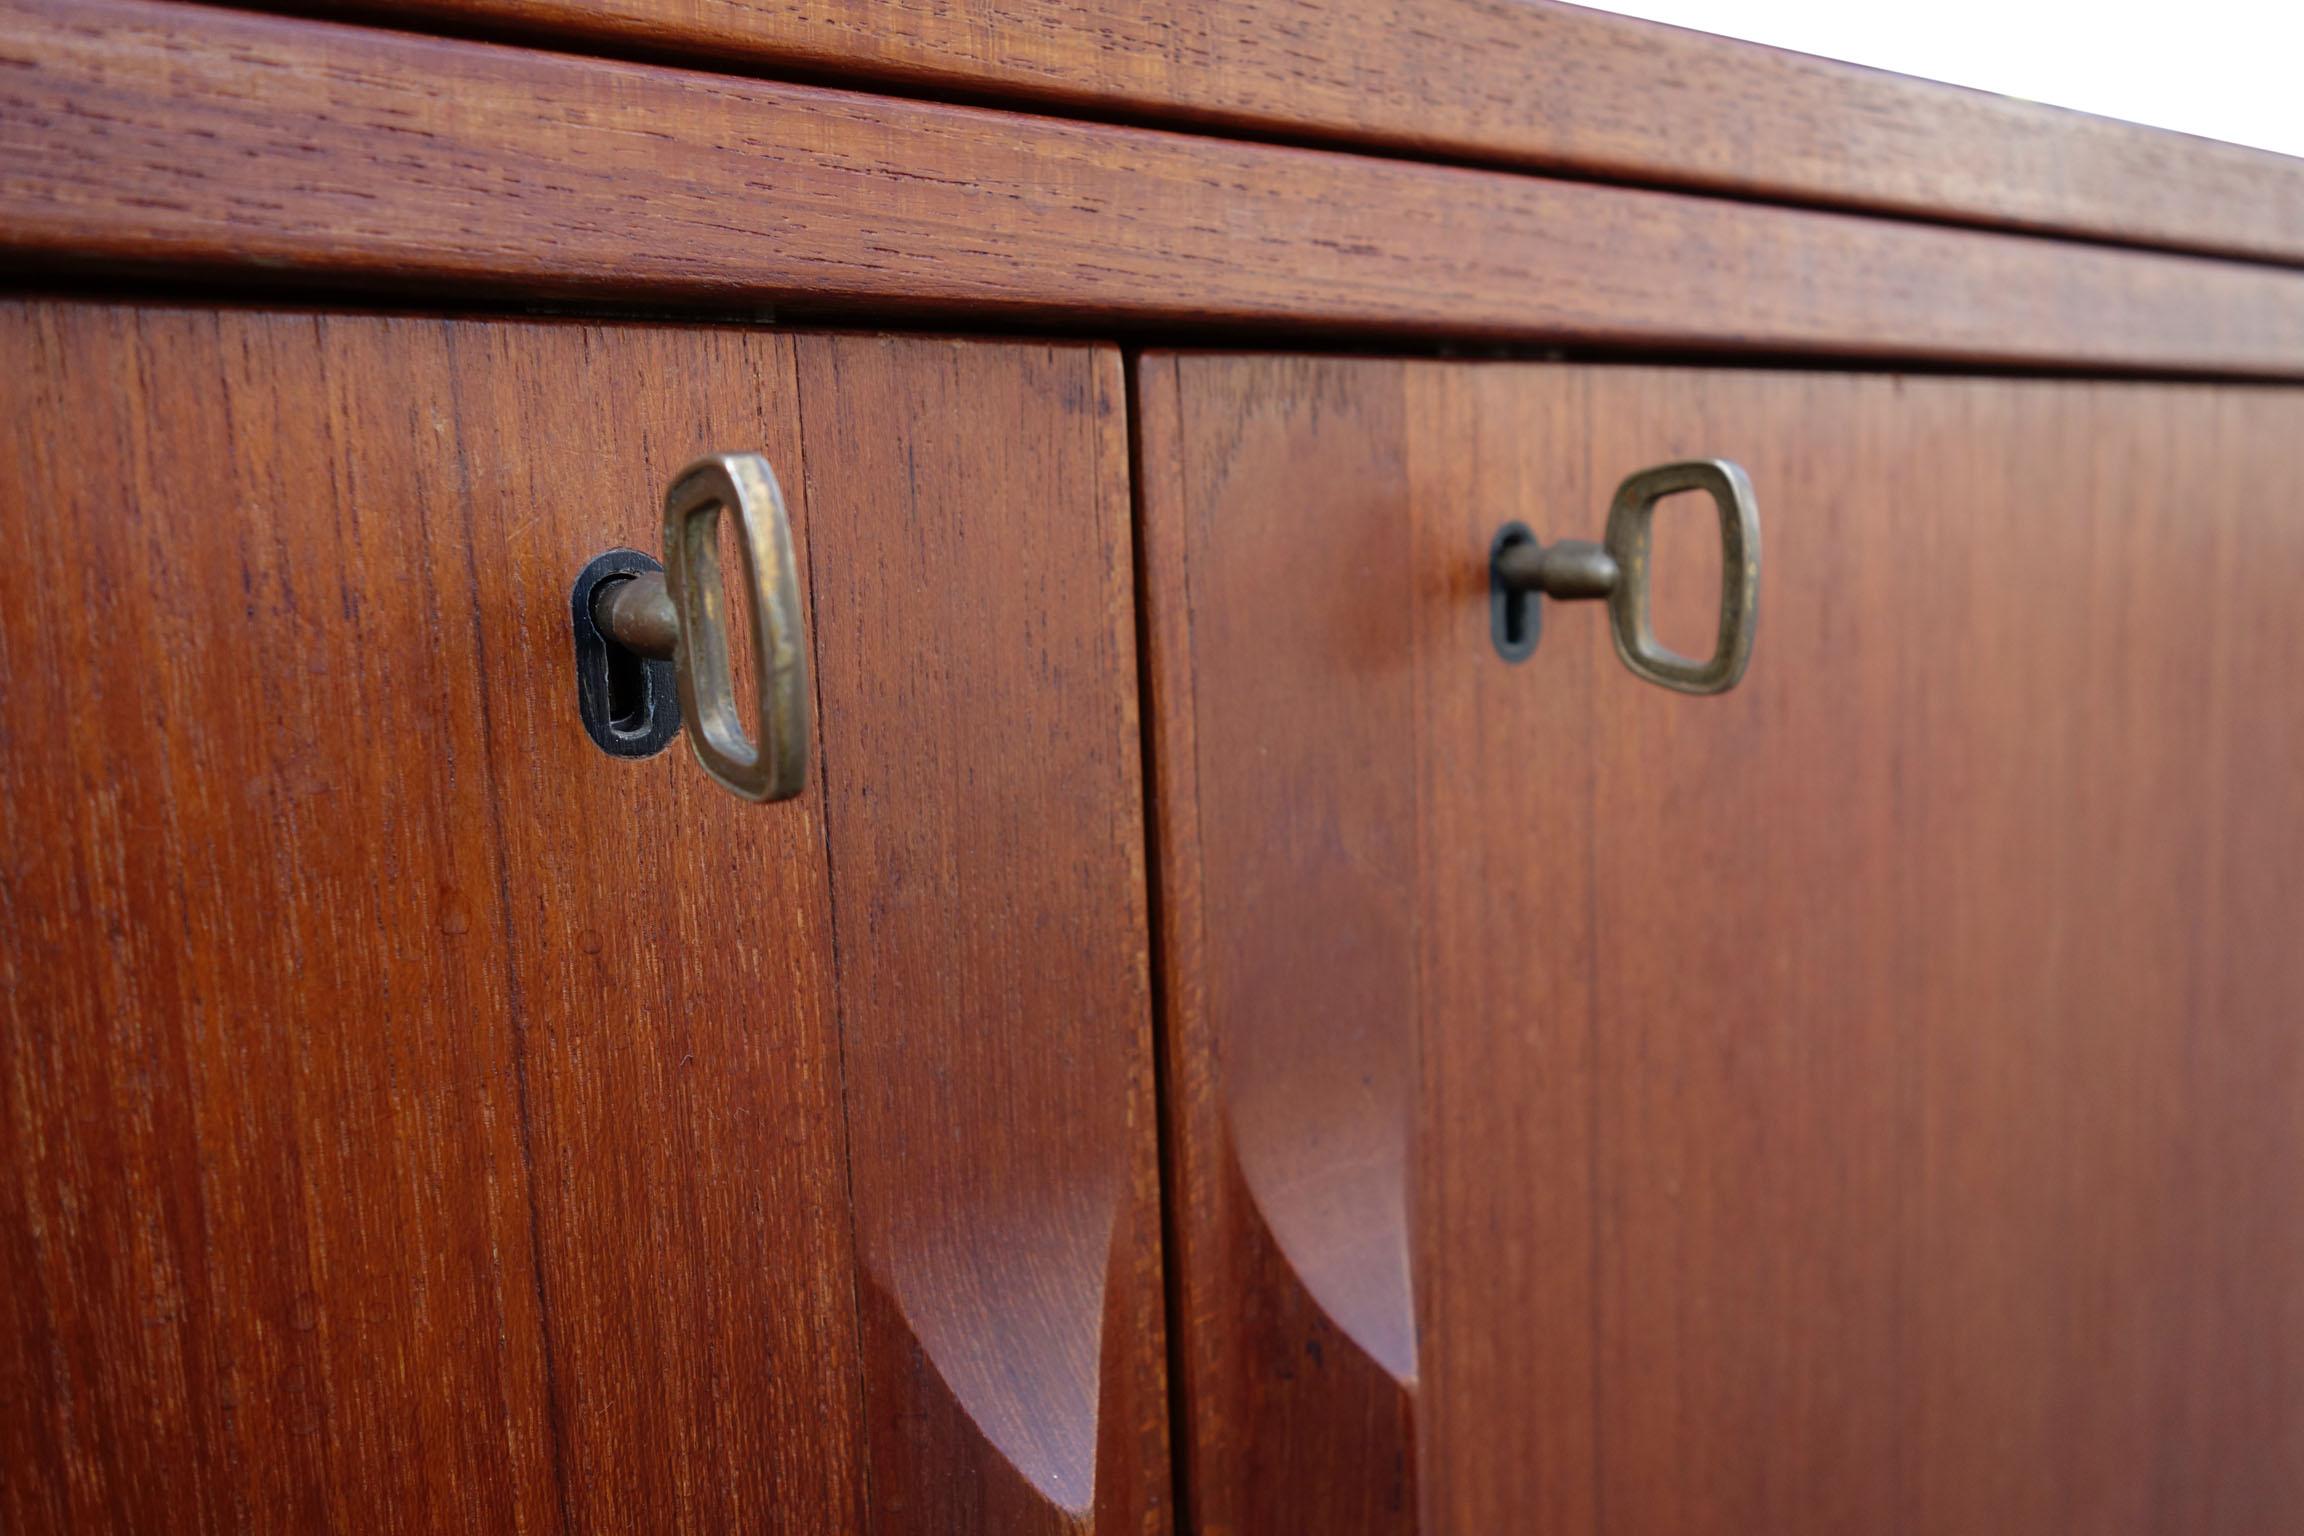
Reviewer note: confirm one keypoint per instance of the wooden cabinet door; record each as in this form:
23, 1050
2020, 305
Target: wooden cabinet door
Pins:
416, 1119
1869, 1100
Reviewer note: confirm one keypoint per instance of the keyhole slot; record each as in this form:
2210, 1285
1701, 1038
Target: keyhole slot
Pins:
628, 700
629, 703
1515, 615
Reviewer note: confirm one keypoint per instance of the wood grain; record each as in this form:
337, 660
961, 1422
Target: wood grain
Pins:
1292, 1090
270, 1244
972, 602
674, 994
417, 1120
1529, 84
136, 134
1857, 1103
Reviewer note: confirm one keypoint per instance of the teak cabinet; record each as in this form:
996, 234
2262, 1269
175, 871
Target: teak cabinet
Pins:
1253, 1024
418, 1118
1867, 1100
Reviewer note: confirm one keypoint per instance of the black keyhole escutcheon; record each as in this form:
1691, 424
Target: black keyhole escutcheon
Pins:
630, 704
1515, 615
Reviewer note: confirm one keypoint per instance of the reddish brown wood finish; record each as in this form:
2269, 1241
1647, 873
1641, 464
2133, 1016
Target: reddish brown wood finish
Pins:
1291, 1092
1865, 1101
418, 1120
135, 133
1529, 83
977, 641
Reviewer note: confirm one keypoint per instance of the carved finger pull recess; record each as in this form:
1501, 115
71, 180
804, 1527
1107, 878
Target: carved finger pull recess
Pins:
652, 646
1619, 569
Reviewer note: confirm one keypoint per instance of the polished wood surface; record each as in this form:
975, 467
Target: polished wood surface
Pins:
976, 636
1291, 1089
1528, 83
136, 134
1864, 1101
418, 1120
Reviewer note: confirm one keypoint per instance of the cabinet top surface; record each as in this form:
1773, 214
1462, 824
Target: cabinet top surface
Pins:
147, 134
1527, 84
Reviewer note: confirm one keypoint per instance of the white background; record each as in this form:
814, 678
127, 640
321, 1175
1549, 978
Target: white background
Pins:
2228, 69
